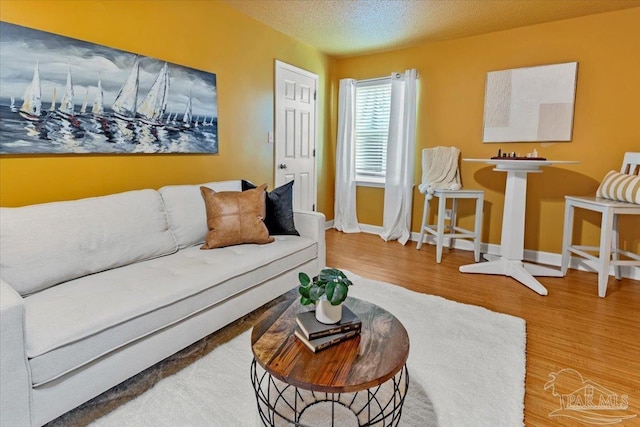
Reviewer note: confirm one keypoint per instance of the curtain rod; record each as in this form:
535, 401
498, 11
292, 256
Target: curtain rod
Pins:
375, 79
382, 78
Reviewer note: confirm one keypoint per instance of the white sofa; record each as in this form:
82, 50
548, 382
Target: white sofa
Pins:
95, 290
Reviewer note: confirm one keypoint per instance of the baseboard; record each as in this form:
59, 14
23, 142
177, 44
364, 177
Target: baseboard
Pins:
547, 258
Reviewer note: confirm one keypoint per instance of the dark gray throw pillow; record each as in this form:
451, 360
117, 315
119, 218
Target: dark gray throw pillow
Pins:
279, 218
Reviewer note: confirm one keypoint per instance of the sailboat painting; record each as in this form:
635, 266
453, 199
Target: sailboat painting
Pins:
110, 101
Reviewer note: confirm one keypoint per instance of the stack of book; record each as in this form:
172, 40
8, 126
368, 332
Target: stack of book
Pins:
317, 336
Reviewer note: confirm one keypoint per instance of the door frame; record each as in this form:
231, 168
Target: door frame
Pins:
280, 66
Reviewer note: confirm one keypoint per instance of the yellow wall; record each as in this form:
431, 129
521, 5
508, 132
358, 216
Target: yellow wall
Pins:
205, 35
450, 111
241, 51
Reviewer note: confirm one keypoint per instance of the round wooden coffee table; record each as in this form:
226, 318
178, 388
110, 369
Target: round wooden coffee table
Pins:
361, 381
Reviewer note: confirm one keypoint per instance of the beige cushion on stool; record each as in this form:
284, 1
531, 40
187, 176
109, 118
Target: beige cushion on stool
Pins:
621, 187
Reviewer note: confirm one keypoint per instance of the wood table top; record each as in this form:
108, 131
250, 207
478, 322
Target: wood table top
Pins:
359, 363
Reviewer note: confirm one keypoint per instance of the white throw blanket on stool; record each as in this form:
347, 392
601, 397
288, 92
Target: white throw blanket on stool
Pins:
439, 170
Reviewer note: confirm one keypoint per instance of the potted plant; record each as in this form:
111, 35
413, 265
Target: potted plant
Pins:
327, 290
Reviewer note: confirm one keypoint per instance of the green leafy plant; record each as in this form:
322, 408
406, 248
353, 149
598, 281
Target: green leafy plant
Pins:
330, 282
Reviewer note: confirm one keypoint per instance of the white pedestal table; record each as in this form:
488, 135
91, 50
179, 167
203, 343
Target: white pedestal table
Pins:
510, 262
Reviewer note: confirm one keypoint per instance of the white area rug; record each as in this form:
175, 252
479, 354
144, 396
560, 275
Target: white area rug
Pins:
466, 368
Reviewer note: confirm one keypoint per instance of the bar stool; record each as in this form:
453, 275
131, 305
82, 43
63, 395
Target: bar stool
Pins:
619, 194
450, 230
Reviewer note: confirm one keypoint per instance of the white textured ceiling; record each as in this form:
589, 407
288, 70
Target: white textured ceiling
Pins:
354, 27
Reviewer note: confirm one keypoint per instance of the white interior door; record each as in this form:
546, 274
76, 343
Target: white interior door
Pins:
295, 135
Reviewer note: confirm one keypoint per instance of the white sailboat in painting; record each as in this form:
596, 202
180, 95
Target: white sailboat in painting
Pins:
12, 106
66, 104
188, 115
83, 109
52, 107
126, 101
153, 106
32, 100
98, 108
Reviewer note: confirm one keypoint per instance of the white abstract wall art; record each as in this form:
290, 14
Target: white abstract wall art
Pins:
530, 104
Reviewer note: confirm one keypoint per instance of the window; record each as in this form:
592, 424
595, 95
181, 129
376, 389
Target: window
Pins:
373, 102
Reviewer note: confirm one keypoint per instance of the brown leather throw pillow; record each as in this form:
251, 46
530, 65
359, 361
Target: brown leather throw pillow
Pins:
235, 217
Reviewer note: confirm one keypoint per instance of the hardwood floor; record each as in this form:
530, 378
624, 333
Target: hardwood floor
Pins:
571, 328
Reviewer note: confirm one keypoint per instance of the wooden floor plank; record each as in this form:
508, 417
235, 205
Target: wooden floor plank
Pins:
569, 328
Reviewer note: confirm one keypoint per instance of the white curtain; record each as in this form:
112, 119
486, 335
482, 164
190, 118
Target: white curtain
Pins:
345, 217
398, 189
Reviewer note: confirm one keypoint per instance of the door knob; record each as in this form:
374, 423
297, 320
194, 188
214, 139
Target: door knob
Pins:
282, 166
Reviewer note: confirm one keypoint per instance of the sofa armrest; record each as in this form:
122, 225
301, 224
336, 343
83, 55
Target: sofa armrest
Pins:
15, 384
312, 225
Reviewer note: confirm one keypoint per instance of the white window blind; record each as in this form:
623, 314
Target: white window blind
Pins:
373, 102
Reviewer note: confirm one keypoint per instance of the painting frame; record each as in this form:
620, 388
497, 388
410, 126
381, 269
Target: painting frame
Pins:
60, 95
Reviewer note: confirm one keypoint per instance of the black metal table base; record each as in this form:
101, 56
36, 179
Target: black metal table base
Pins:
281, 404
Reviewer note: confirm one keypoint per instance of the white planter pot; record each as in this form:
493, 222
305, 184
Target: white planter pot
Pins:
327, 313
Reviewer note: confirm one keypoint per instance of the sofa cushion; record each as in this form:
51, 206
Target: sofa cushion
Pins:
279, 217
69, 325
235, 217
46, 244
186, 212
